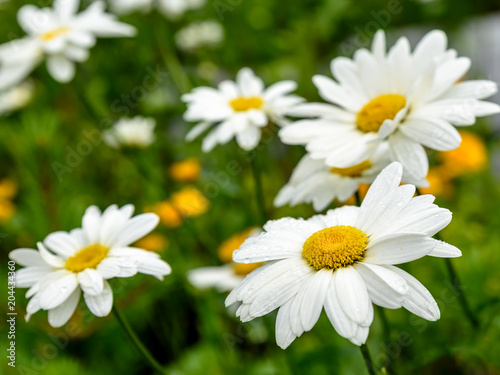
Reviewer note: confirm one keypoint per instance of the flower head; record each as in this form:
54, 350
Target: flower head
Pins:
190, 202
313, 181
238, 109
410, 99
343, 262
471, 156
186, 170
226, 277
83, 259
61, 34
131, 132
199, 35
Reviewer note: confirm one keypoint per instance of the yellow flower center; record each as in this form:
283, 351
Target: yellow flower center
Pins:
52, 34
243, 104
88, 257
354, 171
376, 111
335, 247
244, 269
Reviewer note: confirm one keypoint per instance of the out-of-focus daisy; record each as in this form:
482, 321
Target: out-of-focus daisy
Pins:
471, 156
440, 184
225, 278
190, 202
173, 9
410, 99
314, 182
15, 97
200, 35
8, 190
131, 132
83, 260
343, 262
153, 242
61, 35
186, 170
169, 215
238, 109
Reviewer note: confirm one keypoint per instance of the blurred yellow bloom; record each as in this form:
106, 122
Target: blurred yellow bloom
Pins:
8, 189
233, 243
190, 202
440, 184
471, 156
154, 242
185, 171
7, 210
168, 214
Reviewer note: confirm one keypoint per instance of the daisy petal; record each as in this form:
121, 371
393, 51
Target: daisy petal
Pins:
352, 294
60, 315
101, 304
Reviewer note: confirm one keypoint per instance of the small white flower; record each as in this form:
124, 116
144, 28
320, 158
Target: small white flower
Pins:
343, 262
15, 97
131, 132
123, 7
173, 9
410, 99
239, 109
83, 260
199, 35
313, 181
60, 34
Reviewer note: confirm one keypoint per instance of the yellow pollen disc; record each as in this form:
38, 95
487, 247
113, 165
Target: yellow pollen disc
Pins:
335, 247
52, 34
243, 104
88, 257
354, 171
244, 269
376, 111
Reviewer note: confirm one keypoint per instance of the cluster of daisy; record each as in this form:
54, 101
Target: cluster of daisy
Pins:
383, 109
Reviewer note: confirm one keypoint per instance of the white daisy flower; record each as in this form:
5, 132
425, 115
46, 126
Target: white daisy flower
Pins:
313, 181
343, 262
60, 34
173, 9
410, 99
16, 97
131, 132
83, 260
200, 34
238, 109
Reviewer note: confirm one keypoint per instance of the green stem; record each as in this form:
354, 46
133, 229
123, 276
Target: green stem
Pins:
170, 58
358, 198
385, 324
137, 342
455, 280
259, 193
368, 359
461, 295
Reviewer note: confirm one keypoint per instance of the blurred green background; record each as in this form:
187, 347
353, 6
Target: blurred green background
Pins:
188, 330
